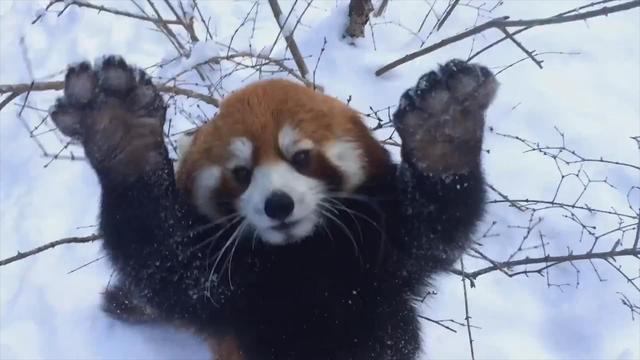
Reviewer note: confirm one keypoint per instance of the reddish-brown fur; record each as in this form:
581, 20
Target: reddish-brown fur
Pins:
258, 112
225, 348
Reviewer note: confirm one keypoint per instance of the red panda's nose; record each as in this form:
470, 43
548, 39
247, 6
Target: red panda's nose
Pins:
278, 205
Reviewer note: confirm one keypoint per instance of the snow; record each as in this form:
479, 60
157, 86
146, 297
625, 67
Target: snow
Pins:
201, 52
46, 312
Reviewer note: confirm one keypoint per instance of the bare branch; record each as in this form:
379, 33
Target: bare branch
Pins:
381, 8
504, 22
51, 245
446, 15
471, 57
524, 49
467, 318
437, 322
18, 89
8, 99
101, 8
553, 260
291, 43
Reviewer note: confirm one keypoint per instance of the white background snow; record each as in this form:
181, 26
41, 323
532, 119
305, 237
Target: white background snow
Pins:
593, 97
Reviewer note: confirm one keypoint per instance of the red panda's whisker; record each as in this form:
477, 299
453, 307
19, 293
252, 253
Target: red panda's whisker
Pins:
222, 252
336, 203
233, 250
225, 218
253, 239
347, 232
235, 218
326, 229
359, 214
365, 199
212, 273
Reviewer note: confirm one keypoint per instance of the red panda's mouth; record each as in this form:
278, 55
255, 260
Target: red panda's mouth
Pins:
285, 225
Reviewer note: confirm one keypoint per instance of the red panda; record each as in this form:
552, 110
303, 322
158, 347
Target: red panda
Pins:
272, 151
286, 231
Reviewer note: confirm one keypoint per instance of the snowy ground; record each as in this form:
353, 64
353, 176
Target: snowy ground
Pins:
593, 97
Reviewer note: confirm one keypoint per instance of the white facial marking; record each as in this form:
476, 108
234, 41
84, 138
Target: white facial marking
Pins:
207, 179
290, 141
241, 150
306, 193
347, 156
184, 144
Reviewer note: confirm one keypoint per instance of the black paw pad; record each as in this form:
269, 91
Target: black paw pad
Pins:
111, 84
145, 97
428, 83
455, 84
67, 118
116, 78
79, 84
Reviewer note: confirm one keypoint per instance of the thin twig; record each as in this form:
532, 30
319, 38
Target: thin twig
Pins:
477, 53
437, 322
86, 264
552, 260
446, 15
17, 89
467, 318
291, 43
101, 8
51, 245
521, 47
504, 22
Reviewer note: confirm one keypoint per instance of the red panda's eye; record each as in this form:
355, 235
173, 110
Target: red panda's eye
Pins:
242, 175
301, 159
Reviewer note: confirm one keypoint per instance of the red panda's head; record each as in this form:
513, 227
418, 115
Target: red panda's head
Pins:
273, 154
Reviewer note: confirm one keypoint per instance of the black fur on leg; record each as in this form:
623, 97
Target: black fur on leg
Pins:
121, 303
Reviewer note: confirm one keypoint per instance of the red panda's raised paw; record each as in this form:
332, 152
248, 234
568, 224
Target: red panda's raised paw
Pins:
115, 111
441, 119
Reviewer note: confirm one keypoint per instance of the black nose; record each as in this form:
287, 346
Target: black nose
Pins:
279, 205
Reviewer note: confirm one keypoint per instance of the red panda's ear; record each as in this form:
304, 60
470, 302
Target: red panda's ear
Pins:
183, 167
184, 143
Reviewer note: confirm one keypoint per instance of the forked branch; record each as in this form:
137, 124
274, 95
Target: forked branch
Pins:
504, 23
